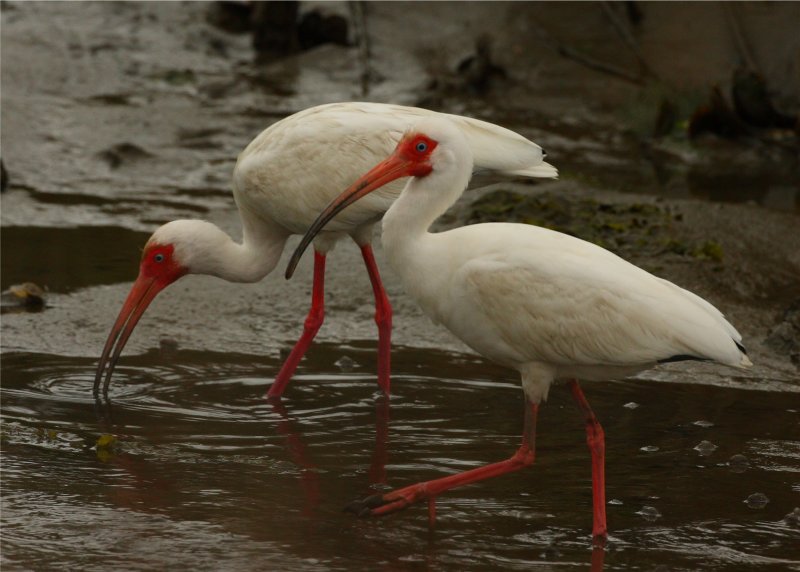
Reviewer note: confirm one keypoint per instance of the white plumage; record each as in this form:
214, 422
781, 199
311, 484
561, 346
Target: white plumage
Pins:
281, 180
554, 306
547, 304
295, 167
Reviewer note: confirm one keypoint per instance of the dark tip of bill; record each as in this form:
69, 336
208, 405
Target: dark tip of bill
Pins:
290, 268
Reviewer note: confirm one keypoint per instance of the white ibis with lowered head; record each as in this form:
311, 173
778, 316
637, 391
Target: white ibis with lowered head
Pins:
282, 179
549, 305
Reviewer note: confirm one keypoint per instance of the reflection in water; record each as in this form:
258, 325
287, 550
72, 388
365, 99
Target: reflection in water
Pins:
377, 469
299, 455
205, 473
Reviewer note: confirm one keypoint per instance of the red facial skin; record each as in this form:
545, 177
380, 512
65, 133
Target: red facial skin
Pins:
157, 270
411, 158
158, 263
418, 160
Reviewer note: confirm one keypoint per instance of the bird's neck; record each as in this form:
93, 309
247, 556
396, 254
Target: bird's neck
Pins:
419, 258
422, 201
253, 258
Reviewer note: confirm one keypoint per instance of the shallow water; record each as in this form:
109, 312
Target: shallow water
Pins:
68, 259
206, 474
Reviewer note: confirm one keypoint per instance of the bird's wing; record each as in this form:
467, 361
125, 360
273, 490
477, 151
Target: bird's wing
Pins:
292, 170
565, 301
493, 147
500, 149
542, 171
296, 166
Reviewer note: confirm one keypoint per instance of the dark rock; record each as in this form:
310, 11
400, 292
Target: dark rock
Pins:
666, 119
167, 348
477, 71
475, 74
275, 27
123, 153
233, 17
717, 118
784, 338
23, 297
753, 104
634, 13
316, 28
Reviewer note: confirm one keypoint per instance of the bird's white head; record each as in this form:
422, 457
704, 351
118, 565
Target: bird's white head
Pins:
432, 149
197, 246
176, 249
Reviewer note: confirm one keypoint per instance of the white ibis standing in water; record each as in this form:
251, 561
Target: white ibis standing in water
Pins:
282, 179
549, 305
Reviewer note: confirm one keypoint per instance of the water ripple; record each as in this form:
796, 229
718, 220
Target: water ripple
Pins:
199, 456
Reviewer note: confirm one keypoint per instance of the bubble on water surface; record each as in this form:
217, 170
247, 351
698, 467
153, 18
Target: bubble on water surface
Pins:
615, 502
705, 448
739, 463
649, 449
793, 518
550, 553
345, 364
703, 423
756, 501
649, 513
631, 405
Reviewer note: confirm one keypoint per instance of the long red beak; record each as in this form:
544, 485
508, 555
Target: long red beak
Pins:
140, 296
394, 167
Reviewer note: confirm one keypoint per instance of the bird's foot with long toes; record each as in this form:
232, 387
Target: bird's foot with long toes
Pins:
394, 501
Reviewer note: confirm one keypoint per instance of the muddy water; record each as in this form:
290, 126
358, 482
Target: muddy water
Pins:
206, 474
68, 259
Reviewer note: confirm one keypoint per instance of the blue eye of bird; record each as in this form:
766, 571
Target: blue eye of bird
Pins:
422, 147
159, 258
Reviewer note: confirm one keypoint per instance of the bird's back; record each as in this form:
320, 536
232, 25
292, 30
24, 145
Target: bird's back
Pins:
294, 168
520, 293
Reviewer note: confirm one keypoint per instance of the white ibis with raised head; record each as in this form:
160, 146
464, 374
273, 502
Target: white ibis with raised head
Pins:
282, 179
549, 305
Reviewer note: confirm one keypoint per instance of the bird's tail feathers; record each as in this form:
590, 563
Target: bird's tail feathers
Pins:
543, 170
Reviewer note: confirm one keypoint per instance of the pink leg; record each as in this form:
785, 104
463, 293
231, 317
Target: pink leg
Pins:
378, 505
312, 324
383, 317
595, 438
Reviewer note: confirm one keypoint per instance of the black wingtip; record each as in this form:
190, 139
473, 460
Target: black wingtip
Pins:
741, 347
682, 357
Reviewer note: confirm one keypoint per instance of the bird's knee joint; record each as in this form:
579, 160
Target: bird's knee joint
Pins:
314, 320
383, 319
524, 456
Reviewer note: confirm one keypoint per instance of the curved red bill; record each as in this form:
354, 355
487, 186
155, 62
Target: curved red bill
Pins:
140, 296
394, 167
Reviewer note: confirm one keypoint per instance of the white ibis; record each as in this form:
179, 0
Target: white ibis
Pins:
549, 305
282, 179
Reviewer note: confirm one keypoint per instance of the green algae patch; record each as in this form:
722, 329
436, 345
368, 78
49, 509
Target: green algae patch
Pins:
710, 249
623, 228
